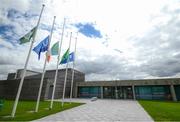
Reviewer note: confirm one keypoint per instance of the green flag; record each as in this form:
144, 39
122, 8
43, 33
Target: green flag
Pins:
54, 49
65, 57
28, 36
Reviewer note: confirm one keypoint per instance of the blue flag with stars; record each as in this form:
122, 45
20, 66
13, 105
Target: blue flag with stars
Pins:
42, 46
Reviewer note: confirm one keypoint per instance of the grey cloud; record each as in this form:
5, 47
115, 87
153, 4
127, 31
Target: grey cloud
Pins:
107, 67
158, 51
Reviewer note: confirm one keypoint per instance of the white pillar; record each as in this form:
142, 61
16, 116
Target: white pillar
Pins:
116, 92
134, 94
173, 93
66, 73
72, 79
76, 91
44, 69
101, 92
57, 65
25, 66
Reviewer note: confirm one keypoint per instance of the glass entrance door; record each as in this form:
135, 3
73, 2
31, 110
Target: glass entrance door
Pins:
124, 92
120, 93
127, 92
109, 92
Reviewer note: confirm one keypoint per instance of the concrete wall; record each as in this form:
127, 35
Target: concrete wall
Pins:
50, 74
171, 82
1, 89
29, 90
78, 76
28, 73
8, 88
11, 76
174, 81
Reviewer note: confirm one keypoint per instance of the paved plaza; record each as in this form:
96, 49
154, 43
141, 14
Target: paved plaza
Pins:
102, 110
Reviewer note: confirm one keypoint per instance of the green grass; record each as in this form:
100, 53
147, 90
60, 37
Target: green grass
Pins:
162, 110
22, 113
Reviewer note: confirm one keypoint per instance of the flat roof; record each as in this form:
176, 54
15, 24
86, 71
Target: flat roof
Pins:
167, 81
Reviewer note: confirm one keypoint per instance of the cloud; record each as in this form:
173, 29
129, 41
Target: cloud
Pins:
88, 30
146, 32
158, 50
6, 44
119, 51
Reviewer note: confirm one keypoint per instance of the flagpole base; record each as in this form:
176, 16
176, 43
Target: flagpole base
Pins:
8, 116
32, 111
47, 109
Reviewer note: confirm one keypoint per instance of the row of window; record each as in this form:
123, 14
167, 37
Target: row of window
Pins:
125, 92
153, 92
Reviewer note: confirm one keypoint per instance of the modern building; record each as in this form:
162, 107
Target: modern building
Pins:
148, 89
9, 87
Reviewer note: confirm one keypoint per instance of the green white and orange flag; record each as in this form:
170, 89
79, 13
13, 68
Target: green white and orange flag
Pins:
48, 55
26, 38
54, 49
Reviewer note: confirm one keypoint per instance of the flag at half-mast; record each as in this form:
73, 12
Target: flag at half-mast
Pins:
71, 57
54, 49
42, 46
26, 38
48, 55
67, 57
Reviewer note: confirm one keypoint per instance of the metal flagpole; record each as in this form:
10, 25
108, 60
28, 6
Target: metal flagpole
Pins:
58, 59
72, 79
44, 69
65, 79
25, 66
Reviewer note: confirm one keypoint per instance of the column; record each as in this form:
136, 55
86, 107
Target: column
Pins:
16, 75
173, 93
116, 92
134, 94
101, 92
75, 91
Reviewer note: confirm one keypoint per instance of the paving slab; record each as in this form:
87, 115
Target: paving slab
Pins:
102, 110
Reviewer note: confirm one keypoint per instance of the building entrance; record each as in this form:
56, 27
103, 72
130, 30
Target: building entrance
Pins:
117, 92
109, 92
124, 92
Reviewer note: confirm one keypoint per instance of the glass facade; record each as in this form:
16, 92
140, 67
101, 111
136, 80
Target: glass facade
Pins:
109, 92
119, 92
177, 90
88, 92
153, 92
124, 92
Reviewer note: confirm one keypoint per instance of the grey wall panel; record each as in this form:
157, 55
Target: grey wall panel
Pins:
32, 81
11, 76
1, 89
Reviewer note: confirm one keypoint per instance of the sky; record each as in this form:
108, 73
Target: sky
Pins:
116, 40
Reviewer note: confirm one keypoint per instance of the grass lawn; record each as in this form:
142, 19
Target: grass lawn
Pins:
162, 110
25, 106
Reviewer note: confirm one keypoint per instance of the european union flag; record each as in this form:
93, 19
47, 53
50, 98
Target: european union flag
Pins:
42, 46
71, 57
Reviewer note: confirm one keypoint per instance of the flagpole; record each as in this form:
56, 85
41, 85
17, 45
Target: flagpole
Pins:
72, 79
44, 69
65, 79
25, 66
58, 59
